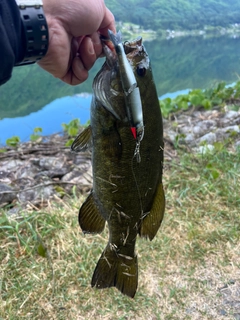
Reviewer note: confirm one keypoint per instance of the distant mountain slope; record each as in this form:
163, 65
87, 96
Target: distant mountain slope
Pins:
175, 14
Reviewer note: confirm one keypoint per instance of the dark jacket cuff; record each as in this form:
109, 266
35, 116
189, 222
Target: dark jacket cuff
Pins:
12, 40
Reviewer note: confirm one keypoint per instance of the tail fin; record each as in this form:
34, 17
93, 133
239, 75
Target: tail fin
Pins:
115, 38
116, 270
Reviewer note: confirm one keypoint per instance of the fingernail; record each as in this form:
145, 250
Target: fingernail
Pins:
91, 47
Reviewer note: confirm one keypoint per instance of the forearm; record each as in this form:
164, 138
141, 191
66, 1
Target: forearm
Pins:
12, 39
65, 38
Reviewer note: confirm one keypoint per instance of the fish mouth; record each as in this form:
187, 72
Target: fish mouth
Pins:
129, 47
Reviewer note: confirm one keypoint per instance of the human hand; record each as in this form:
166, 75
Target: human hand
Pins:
74, 43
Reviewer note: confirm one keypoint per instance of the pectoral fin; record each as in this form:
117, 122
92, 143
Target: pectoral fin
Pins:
83, 140
89, 218
151, 223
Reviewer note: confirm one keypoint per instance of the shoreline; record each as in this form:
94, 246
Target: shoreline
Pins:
36, 172
130, 30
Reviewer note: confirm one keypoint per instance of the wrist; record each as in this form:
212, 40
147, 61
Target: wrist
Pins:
35, 30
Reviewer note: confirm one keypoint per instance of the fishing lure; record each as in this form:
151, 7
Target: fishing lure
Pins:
130, 88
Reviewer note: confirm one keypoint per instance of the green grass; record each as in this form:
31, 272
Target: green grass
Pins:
47, 263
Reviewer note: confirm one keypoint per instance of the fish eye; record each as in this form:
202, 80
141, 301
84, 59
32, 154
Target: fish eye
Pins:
141, 71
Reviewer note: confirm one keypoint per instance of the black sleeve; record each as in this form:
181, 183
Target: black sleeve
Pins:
12, 40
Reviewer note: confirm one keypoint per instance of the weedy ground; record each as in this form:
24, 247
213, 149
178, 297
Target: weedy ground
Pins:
191, 270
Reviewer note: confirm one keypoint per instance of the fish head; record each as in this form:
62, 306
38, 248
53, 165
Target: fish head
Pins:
138, 59
107, 85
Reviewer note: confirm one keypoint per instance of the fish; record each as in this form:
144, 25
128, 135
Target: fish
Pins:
127, 191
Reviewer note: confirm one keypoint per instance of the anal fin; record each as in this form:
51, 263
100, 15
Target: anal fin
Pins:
90, 218
151, 223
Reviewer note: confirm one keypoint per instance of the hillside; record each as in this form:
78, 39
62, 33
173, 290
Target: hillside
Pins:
176, 14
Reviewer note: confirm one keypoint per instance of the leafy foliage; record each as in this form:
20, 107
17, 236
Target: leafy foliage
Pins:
13, 141
205, 98
36, 136
71, 129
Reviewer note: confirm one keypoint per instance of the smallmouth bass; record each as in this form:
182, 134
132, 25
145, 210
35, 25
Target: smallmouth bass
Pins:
127, 176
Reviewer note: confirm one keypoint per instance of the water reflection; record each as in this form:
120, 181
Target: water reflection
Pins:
194, 62
178, 64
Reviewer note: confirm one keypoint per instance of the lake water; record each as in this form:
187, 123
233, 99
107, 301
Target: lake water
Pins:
178, 65
49, 118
